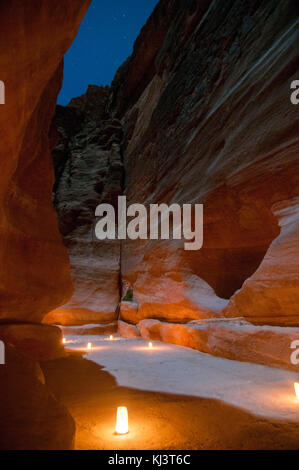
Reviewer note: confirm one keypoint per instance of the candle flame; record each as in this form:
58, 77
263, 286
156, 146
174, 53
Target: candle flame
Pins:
63, 340
89, 345
150, 345
122, 426
111, 337
296, 386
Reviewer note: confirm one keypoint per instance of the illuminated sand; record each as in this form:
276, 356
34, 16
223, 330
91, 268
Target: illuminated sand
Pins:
167, 368
176, 398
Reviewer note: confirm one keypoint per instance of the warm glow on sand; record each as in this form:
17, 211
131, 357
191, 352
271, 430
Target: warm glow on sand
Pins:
150, 345
89, 346
296, 386
122, 422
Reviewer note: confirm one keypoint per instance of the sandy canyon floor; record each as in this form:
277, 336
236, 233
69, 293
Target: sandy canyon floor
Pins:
177, 398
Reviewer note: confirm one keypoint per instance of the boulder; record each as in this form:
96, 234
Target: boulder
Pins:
126, 330
129, 311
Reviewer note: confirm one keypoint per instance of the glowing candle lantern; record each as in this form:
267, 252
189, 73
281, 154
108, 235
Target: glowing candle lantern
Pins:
296, 386
89, 346
63, 340
122, 421
150, 345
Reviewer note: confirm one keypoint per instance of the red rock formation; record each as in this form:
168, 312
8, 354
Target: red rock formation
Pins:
35, 271
211, 122
38, 342
31, 417
127, 331
89, 171
270, 296
105, 329
204, 105
129, 311
233, 339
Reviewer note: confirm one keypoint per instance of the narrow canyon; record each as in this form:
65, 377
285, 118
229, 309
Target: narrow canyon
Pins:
200, 113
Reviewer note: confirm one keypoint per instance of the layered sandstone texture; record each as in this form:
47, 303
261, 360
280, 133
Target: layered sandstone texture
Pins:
233, 339
271, 294
34, 275
34, 265
207, 117
200, 113
89, 171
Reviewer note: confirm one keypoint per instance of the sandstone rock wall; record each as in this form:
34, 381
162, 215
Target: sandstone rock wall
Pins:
213, 124
34, 275
270, 296
89, 170
204, 116
34, 265
230, 338
31, 417
36, 341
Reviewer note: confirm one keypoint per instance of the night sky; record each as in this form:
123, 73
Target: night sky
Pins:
104, 41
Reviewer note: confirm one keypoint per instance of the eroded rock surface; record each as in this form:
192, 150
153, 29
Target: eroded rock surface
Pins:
199, 114
234, 339
89, 171
34, 265
270, 296
126, 330
34, 275
31, 417
38, 342
212, 123
105, 329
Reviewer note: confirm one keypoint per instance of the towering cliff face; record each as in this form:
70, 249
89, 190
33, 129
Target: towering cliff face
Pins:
89, 171
211, 122
34, 273
204, 103
35, 270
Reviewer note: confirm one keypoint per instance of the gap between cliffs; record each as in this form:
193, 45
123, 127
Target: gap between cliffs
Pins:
90, 168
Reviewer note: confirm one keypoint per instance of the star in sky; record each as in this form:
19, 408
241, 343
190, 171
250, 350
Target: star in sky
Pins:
105, 40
